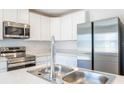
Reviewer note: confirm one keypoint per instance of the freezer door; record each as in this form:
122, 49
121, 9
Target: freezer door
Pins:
106, 56
84, 44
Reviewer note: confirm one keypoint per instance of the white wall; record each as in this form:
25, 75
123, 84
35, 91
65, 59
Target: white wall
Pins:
97, 14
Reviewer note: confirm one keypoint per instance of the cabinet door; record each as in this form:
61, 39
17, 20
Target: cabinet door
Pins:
35, 32
3, 65
10, 15
66, 27
1, 24
23, 16
45, 28
78, 17
55, 28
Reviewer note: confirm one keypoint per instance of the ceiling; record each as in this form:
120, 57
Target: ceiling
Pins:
54, 12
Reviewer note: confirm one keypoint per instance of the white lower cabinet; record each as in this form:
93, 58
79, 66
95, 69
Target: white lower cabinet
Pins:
66, 60
42, 60
3, 65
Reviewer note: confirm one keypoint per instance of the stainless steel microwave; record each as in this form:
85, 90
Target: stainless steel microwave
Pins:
16, 30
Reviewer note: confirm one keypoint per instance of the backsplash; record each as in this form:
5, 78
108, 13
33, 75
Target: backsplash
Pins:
32, 47
71, 45
38, 47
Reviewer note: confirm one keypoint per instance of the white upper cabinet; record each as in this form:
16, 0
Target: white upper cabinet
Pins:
35, 23
77, 18
23, 16
45, 28
16, 15
66, 27
55, 28
10, 15
1, 24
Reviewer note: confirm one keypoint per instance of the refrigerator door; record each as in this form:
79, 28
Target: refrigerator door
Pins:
106, 45
84, 45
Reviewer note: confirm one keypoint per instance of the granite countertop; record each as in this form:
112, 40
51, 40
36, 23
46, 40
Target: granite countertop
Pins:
21, 76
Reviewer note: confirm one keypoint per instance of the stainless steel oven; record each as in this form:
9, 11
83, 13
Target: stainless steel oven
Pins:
17, 57
16, 30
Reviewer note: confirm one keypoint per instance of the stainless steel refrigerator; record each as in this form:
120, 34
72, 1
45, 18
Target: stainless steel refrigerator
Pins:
101, 42
84, 44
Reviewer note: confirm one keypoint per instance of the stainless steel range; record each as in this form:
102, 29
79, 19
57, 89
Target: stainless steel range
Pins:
17, 57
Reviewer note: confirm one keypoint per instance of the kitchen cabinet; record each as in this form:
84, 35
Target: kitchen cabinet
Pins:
69, 24
1, 24
66, 27
55, 27
23, 16
77, 18
10, 15
35, 29
16, 15
3, 65
42, 60
45, 28
66, 60
40, 27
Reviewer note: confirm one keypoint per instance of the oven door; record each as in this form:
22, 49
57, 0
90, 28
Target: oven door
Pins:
13, 32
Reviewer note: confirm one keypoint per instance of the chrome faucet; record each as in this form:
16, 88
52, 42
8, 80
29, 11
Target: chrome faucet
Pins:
52, 71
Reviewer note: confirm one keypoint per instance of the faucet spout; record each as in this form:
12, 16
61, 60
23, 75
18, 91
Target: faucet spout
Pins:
52, 71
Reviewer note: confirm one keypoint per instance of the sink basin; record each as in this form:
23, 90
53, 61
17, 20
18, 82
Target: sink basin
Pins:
60, 70
44, 72
87, 77
70, 75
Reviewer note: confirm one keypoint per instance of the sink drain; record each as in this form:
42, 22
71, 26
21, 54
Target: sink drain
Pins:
39, 74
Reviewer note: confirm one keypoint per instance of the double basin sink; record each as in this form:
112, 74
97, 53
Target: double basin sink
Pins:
68, 75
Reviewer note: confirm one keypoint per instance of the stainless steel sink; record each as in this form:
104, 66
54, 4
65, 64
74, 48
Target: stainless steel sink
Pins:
87, 77
44, 72
65, 74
